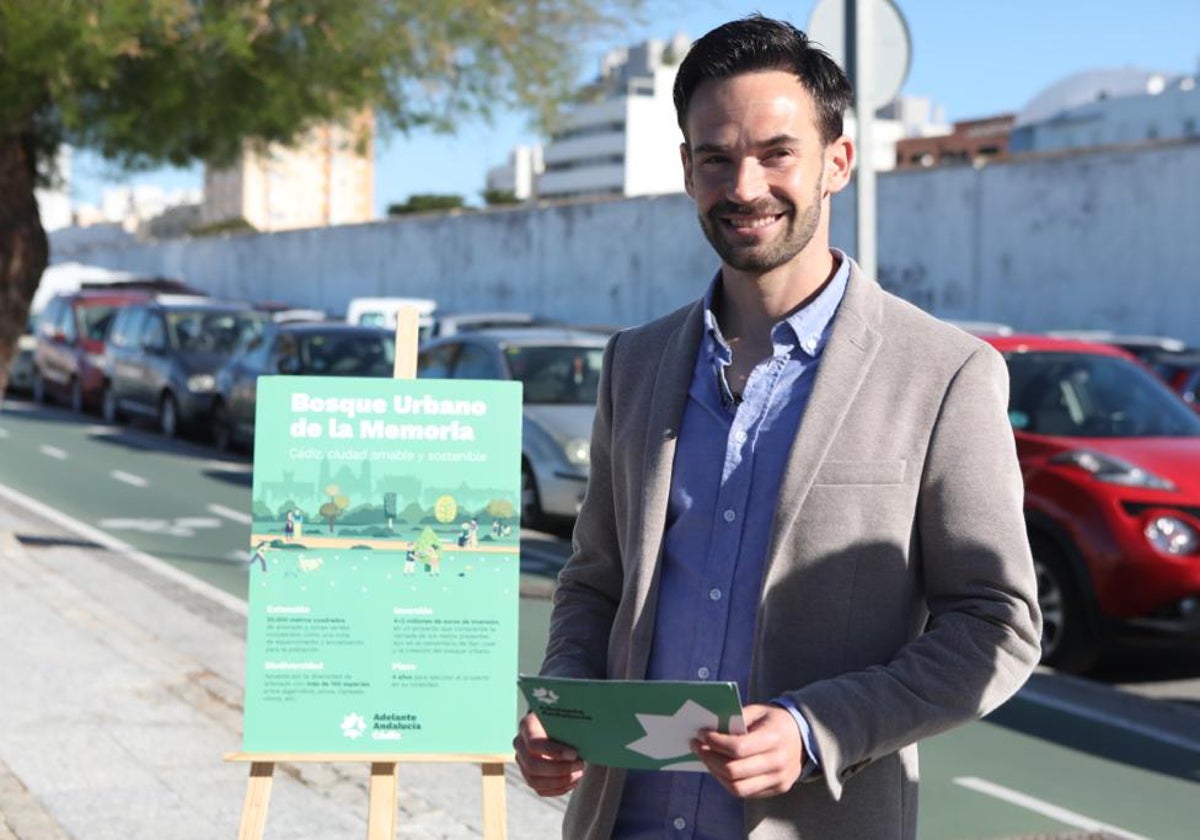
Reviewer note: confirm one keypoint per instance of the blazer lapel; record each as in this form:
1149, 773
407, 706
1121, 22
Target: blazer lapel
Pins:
853, 343
672, 379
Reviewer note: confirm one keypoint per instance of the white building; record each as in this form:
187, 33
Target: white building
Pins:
622, 143
1109, 107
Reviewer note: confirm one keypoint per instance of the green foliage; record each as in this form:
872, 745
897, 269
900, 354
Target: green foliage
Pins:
500, 509
426, 203
499, 198
147, 82
412, 512
238, 225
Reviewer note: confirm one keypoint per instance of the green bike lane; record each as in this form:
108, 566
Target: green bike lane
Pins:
1027, 771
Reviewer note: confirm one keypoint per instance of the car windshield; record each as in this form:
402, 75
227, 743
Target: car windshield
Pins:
1090, 395
207, 331
94, 320
556, 375
347, 355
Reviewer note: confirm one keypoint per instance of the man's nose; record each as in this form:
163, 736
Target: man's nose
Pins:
748, 182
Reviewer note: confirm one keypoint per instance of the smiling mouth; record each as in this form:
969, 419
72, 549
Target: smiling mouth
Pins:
751, 222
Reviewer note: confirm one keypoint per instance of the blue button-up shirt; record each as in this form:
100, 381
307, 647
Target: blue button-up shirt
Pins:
728, 466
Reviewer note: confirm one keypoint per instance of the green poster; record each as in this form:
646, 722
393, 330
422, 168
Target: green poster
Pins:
643, 725
384, 570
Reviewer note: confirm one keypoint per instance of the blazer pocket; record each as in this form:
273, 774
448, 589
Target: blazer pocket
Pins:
860, 472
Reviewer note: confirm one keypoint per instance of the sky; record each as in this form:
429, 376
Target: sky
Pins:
973, 58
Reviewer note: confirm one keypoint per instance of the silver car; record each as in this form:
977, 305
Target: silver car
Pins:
559, 369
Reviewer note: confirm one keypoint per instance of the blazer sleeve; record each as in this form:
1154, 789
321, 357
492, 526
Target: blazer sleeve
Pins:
590, 584
982, 639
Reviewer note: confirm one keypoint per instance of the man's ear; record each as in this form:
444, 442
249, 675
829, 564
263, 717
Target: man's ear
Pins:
839, 163
686, 158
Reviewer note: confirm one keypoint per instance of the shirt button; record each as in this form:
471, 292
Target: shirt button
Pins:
810, 345
714, 594
702, 673
680, 823
729, 516
740, 437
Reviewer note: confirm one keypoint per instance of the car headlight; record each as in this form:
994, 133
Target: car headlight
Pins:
1112, 470
578, 452
201, 383
1171, 535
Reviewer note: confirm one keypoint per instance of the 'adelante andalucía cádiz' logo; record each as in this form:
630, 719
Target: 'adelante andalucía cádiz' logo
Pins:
353, 726
545, 696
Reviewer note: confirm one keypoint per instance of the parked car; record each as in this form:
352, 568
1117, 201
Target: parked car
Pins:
162, 354
381, 312
68, 356
559, 369
20, 369
1111, 460
292, 347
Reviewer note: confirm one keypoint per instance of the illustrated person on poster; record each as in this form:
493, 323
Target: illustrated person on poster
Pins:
298, 524
259, 555
289, 526
799, 483
410, 562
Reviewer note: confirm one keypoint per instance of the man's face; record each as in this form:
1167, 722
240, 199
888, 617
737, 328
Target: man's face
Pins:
756, 167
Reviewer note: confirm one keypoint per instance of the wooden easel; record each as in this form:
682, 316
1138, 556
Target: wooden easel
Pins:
384, 791
383, 803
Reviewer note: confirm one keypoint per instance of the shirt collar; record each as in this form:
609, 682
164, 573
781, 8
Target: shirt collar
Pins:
809, 325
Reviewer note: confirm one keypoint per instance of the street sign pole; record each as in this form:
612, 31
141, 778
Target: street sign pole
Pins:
859, 40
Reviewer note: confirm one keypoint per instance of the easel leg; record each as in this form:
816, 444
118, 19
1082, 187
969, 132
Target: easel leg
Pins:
383, 806
258, 797
493, 802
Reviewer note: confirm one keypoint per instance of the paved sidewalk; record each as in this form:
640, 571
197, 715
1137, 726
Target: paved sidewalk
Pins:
121, 693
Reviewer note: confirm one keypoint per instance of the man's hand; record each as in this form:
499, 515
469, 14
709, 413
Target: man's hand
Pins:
550, 768
766, 761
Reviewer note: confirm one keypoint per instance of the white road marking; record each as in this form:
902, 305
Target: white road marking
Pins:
184, 526
1044, 808
148, 561
53, 452
231, 514
240, 467
239, 556
129, 478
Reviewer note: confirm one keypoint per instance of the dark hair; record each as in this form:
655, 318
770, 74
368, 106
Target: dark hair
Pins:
756, 43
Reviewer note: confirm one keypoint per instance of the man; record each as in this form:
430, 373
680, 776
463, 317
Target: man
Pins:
799, 482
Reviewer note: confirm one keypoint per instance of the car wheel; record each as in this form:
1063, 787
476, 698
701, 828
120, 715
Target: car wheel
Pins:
109, 408
77, 396
531, 505
222, 428
168, 416
1069, 640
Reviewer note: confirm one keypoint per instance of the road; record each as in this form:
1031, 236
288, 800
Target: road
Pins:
1052, 761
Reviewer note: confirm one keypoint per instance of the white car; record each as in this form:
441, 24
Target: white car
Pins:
559, 368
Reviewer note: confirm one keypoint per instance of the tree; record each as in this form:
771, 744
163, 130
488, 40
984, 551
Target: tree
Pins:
332, 509
426, 203
445, 509
152, 82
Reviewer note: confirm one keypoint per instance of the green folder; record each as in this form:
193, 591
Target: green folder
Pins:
638, 724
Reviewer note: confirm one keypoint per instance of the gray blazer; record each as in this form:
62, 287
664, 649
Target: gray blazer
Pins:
898, 596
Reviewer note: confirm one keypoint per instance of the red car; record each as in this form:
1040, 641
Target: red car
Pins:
68, 358
1111, 460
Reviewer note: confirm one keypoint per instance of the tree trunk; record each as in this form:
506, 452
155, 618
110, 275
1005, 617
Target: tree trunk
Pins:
24, 250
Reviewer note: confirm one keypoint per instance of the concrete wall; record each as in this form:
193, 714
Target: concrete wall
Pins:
1083, 241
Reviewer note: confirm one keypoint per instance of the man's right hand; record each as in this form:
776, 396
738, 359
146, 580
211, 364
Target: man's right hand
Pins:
550, 768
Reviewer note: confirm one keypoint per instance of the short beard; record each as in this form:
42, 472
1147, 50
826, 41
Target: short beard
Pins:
760, 259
